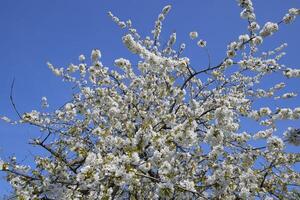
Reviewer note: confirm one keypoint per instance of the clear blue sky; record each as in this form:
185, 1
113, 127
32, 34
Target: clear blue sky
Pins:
33, 32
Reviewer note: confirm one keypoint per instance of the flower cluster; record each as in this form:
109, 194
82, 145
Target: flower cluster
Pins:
293, 136
268, 29
291, 15
158, 23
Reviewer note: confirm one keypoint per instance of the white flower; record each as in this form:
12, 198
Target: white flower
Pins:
95, 55
296, 113
161, 17
229, 62
201, 43
190, 185
135, 158
231, 53
287, 19
293, 136
244, 38
254, 115
145, 167
289, 95
6, 119
275, 143
257, 40
69, 106
291, 73
91, 158
244, 193
56, 71
268, 29
129, 23
33, 116
294, 11
253, 26
263, 134
132, 45
182, 46
97, 131
121, 62
165, 168
113, 110
265, 111
45, 102
81, 58
216, 151
172, 39
122, 24
193, 35
166, 9
283, 113
72, 68
247, 14
279, 86
214, 136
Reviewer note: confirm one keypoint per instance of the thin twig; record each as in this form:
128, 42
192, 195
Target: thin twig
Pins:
12, 99
208, 57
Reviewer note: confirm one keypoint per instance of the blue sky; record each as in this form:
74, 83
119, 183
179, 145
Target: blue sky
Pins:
34, 32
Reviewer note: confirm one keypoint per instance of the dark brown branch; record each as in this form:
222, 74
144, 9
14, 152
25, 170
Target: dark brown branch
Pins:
12, 99
21, 174
208, 57
56, 155
44, 140
200, 72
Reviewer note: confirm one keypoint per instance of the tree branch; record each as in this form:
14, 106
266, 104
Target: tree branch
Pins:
12, 99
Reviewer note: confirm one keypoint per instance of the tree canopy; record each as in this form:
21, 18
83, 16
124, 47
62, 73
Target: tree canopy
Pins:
160, 128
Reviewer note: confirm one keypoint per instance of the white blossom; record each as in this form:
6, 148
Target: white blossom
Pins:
293, 136
201, 43
275, 143
265, 111
268, 29
263, 134
292, 73
45, 102
6, 119
193, 35
289, 95
81, 58
294, 11
95, 55
244, 38
166, 9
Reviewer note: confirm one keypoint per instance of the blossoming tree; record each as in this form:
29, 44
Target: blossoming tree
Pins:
163, 129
